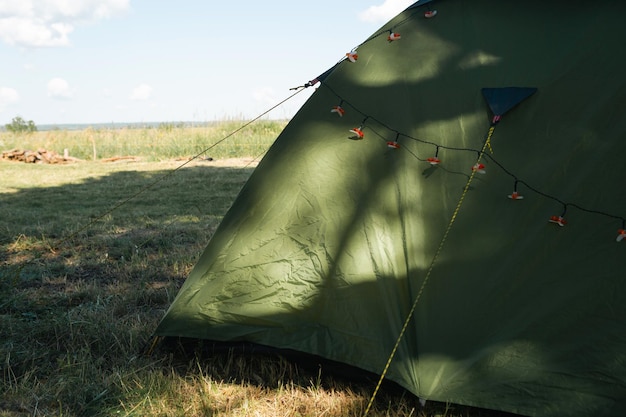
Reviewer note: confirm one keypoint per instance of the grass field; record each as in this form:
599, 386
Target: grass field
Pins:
165, 142
92, 254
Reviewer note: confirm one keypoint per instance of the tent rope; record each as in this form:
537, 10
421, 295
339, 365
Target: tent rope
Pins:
405, 326
172, 222
170, 173
60, 242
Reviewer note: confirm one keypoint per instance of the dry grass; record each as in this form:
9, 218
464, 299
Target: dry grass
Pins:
87, 273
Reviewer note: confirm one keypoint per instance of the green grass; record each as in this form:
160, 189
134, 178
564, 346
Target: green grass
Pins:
152, 144
91, 256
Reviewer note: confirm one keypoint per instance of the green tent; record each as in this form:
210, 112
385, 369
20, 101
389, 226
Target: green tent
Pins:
464, 107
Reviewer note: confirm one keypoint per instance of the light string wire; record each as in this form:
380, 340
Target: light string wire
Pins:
485, 155
172, 222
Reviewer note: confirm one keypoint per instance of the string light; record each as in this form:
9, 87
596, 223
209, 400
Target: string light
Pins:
338, 109
515, 195
434, 160
559, 220
393, 36
358, 132
479, 168
394, 143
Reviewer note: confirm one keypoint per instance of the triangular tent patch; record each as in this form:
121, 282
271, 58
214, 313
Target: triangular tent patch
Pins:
501, 100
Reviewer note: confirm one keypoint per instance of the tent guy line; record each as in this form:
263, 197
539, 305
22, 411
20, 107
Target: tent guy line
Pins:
431, 266
170, 173
53, 247
343, 101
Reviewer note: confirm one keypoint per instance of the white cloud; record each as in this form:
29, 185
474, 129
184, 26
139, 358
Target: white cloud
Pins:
12, 7
59, 88
141, 92
385, 11
7, 97
29, 32
45, 23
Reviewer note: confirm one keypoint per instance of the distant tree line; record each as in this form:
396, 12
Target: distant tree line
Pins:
19, 125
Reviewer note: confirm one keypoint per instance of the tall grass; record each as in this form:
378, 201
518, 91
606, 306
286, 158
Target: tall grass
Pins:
87, 273
166, 141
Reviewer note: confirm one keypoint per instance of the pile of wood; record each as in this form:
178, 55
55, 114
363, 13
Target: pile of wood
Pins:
40, 156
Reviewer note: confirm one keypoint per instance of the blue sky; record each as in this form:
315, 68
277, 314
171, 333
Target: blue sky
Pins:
102, 61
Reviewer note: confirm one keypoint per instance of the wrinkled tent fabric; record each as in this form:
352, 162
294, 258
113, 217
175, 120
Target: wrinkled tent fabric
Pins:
328, 244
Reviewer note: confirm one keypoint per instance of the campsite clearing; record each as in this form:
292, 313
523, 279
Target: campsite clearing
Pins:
87, 275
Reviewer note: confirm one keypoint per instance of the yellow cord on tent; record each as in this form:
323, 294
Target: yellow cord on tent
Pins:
488, 141
486, 145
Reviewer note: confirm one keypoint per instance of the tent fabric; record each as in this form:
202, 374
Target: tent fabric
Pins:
330, 242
